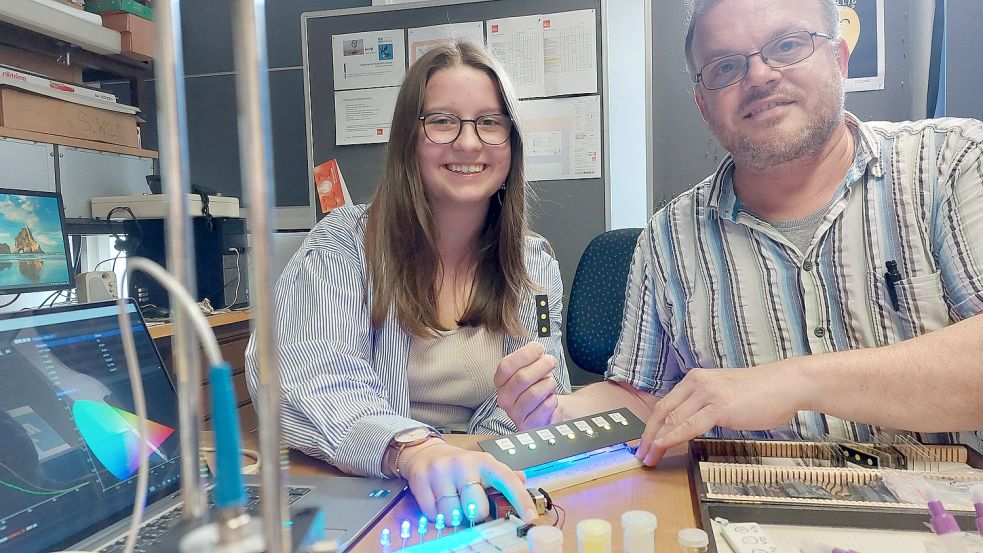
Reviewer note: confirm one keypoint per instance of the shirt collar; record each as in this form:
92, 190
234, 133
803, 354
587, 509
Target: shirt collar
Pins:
724, 202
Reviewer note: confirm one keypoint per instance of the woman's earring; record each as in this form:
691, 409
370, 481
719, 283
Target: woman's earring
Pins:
500, 194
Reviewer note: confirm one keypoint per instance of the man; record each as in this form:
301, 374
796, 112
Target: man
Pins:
818, 234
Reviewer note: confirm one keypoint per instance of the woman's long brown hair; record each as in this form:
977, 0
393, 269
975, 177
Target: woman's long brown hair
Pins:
400, 241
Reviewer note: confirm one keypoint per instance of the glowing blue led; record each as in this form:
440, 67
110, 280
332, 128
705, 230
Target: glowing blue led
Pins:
422, 527
472, 512
455, 517
439, 525
384, 539
404, 530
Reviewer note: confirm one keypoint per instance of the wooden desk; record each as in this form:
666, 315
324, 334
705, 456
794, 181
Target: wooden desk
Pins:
664, 490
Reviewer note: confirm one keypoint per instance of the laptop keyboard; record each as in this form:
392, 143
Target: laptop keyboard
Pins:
154, 530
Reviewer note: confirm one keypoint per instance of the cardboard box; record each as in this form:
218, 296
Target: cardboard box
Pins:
31, 112
40, 64
136, 34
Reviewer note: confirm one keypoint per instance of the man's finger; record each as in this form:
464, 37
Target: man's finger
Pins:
516, 360
695, 425
655, 422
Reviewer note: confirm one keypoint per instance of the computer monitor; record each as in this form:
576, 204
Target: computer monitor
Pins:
34, 254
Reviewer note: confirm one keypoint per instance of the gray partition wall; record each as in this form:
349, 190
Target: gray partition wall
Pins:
964, 44
683, 151
569, 213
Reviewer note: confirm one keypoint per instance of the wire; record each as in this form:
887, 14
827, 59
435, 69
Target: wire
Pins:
560, 510
45, 300
139, 401
11, 302
238, 280
182, 299
113, 259
252, 454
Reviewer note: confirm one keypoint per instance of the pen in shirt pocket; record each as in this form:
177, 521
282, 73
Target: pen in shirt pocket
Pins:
891, 278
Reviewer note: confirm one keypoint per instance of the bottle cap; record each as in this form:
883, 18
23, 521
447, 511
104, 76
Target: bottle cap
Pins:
639, 521
693, 537
545, 538
590, 527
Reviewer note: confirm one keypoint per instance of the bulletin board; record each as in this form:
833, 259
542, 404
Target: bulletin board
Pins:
570, 211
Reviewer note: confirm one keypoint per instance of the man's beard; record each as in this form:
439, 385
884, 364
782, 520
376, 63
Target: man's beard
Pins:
782, 147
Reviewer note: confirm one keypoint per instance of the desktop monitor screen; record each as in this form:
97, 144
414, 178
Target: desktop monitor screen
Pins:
34, 254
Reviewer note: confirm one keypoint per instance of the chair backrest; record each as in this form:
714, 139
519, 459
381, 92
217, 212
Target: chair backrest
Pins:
597, 298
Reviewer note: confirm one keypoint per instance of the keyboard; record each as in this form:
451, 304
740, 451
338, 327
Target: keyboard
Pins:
155, 529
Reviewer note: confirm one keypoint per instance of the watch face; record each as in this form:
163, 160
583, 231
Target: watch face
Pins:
412, 435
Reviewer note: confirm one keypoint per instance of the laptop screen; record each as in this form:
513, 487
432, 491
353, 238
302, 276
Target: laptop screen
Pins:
70, 447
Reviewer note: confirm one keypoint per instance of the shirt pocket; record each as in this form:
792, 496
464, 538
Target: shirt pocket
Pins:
921, 304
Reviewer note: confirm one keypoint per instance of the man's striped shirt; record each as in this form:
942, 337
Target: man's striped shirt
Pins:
712, 285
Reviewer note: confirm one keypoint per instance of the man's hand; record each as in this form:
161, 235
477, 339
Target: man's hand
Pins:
443, 477
758, 398
526, 386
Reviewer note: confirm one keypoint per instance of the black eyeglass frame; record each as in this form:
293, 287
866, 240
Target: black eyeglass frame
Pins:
747, 58
460, 127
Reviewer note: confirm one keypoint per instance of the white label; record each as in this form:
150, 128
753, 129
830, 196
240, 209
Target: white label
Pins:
583, 426
618, 418
505, 443
564, 429
545, 434
601, 422
524, 439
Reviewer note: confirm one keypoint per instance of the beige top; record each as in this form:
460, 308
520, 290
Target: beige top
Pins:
452, 374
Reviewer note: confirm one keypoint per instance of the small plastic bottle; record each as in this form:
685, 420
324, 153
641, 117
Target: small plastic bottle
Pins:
593, 536
639, 527
693, 540
545, 539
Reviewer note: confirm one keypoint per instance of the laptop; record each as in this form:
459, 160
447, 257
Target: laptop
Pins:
69, 452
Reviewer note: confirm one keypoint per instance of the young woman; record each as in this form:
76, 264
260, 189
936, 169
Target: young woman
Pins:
393, 317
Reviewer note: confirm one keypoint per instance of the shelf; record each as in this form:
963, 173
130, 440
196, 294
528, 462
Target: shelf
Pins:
76, 142
93, 227
56, 21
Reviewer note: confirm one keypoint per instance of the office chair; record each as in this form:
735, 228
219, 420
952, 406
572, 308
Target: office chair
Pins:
597, 298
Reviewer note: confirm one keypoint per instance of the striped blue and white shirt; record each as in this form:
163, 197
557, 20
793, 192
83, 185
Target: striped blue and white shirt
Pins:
345, 392
712, 285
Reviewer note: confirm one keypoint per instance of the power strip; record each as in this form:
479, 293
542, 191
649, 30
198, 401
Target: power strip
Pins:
582, 468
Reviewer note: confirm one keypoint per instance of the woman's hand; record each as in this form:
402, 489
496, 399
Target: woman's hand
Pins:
443, 477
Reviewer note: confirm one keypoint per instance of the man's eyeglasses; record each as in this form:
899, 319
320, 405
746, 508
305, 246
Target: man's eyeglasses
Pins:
780, 52
444, 128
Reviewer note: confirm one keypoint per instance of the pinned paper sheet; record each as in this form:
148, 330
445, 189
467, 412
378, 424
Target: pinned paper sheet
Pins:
423, 39
330, 186
562, 138
547, 55
364, 116
367, 60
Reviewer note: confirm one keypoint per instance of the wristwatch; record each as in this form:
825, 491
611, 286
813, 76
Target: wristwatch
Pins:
408, 438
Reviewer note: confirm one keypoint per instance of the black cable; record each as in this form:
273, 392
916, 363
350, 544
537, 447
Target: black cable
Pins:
119, 241
11, 302
53, 295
